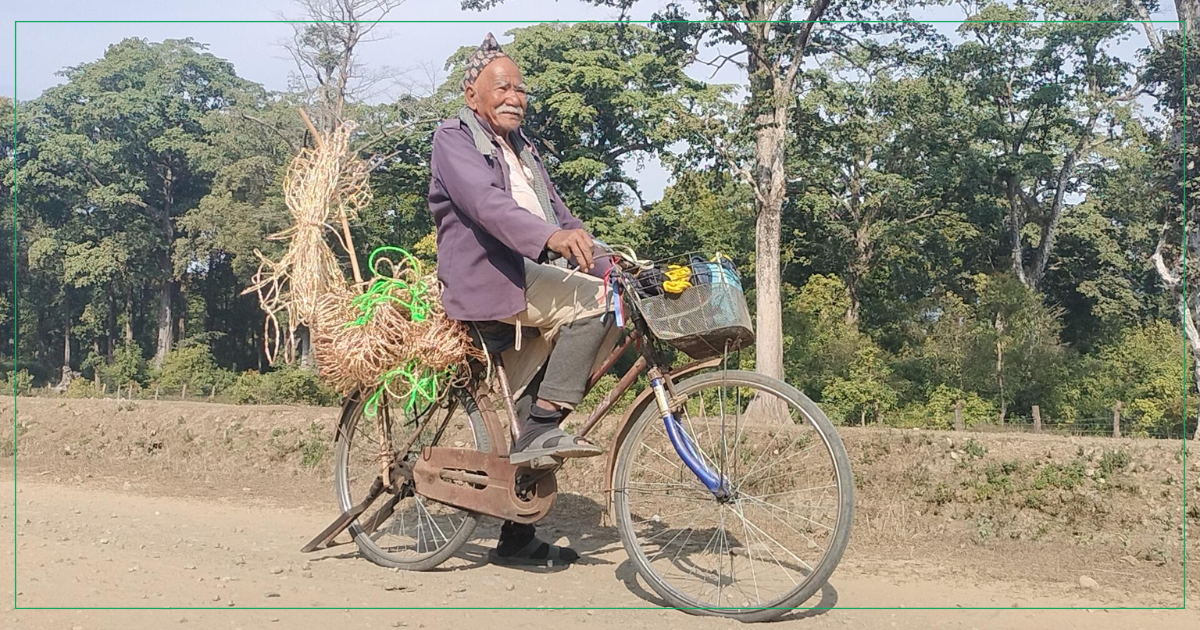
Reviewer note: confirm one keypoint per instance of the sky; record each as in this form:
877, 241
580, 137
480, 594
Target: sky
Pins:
29, 63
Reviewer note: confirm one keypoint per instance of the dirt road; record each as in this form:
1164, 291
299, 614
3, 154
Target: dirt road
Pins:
104, 545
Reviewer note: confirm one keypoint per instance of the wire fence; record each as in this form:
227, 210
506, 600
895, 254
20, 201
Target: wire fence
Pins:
1116, 425
134, 391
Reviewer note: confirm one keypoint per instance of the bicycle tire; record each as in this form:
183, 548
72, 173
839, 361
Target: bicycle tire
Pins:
845, 492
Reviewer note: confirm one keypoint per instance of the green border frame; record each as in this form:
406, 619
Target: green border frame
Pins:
16, 336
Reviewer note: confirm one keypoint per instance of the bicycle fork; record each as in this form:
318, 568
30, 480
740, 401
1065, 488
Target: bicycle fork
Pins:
716, 483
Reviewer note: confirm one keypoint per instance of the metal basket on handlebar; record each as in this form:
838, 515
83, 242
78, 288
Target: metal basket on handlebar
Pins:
702, 321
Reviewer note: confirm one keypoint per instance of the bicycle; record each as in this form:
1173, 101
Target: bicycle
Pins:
699, 527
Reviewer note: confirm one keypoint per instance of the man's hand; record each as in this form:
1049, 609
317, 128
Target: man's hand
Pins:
575, 244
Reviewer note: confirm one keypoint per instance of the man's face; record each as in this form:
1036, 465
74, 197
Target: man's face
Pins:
498, 96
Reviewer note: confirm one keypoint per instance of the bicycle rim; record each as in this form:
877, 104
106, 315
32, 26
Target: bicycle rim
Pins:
776, 541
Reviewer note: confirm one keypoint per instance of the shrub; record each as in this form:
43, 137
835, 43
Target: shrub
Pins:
81, 388
193, 365
128, 366
285, 385
20, 382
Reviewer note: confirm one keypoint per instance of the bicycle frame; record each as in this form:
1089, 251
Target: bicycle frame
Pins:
647, 364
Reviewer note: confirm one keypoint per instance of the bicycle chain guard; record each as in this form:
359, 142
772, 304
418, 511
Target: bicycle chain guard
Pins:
481, 482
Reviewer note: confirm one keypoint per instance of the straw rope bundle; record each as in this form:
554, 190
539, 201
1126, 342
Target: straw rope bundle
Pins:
318, 181
394, 337
390, 334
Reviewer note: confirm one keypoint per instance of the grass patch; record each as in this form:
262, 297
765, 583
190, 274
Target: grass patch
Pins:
1065, 477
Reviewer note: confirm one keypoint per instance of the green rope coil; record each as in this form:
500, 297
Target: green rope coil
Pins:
389, 288
423, 384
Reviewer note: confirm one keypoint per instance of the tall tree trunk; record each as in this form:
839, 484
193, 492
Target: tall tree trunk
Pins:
181, 318
128, 318
770, 184
769, 177
166, 293
1014, 221
1188, 12
66, 333
96, 367
1000, 365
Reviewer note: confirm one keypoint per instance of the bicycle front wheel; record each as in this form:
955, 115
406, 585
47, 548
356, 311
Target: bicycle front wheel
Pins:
776, 539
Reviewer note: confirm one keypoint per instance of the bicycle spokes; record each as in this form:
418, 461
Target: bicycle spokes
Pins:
732, 512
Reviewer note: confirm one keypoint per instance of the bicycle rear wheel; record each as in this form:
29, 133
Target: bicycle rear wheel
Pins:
410, 532
775, 541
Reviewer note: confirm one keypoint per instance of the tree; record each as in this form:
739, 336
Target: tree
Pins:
325, 49
243, 206
1016, 339
1046, 96
1140, 368
878, 167
1164, 75
120, 139
8, 248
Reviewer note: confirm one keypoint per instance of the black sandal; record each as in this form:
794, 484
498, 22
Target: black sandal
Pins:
550, 448
536, 552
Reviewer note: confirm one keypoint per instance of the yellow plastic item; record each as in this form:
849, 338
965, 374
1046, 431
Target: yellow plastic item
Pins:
678, 279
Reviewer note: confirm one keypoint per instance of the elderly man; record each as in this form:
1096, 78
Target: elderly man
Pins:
498, 218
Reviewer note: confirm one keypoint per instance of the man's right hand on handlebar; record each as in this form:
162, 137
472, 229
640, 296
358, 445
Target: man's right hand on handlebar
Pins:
576, 244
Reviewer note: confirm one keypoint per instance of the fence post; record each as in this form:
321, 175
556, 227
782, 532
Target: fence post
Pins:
156, 392
958, 421
213, 393
1037, 419
184, 394
1117, 419
104, 391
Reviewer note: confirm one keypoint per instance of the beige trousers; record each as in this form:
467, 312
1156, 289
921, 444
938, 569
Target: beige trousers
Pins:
554, 297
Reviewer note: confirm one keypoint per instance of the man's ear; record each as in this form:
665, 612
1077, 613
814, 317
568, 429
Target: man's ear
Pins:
472, 97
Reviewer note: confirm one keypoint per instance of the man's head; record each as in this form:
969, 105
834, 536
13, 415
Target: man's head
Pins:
494, 87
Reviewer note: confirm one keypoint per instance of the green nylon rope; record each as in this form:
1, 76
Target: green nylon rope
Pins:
422, 383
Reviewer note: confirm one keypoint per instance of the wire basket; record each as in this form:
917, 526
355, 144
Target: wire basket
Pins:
703, 321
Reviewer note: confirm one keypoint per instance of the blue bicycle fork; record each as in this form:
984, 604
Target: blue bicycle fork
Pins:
715, 482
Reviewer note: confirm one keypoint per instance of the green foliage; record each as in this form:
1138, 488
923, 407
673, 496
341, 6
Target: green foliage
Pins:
19, 382
974, 450
1112, 461
938, 411
603, 387
819, 344
285, 385
127, 366
1142, 369
1061, 476
193, 365
81, 388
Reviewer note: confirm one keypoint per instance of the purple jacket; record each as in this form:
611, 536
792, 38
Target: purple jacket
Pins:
483, 236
